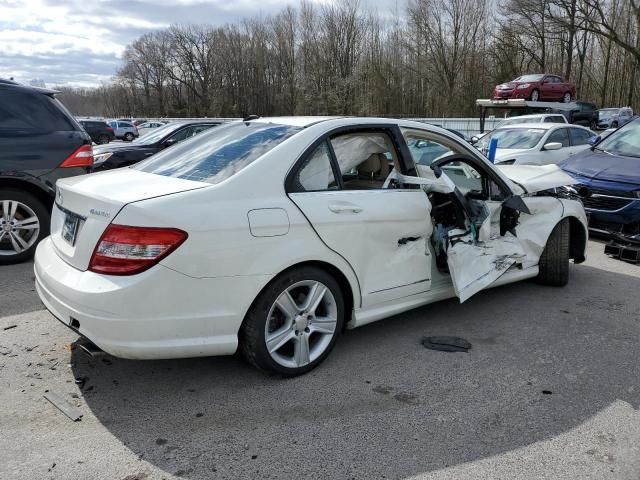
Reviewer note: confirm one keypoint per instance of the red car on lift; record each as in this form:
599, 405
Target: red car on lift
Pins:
537, 88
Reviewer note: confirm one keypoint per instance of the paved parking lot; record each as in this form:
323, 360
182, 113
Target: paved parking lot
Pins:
381, 406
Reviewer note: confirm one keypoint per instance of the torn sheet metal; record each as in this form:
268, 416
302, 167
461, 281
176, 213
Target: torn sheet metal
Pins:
427, 180
537, 178
473, 267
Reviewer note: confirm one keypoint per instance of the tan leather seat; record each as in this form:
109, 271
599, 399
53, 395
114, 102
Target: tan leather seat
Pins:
371, 173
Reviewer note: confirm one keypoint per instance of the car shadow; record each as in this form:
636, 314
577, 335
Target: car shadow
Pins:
382, 405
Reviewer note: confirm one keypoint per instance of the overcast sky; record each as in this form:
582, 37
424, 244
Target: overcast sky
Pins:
80, 42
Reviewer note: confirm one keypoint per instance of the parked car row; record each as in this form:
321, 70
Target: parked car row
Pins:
41, 142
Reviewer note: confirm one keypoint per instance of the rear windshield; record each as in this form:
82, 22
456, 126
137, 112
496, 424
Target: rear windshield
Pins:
219, 153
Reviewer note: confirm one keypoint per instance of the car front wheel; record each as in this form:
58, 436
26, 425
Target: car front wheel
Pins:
293, 324
535, 96
24, 221
554, 261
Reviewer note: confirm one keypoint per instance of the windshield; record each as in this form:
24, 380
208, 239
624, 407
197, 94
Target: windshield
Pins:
529, 78
517, 120
217, 154
522, 138
608, 113
625, 142
157, 134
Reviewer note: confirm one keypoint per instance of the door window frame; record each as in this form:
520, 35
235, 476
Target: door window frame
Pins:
397, 142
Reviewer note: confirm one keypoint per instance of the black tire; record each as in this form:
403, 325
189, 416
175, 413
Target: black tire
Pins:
44, 219
614, 124
566, 98
554, 261
537, 93
103, 139
252, 332
128, 137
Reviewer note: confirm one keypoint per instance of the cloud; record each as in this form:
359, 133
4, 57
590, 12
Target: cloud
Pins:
81, 42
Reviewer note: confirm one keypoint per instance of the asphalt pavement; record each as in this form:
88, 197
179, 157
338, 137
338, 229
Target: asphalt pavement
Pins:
550, 389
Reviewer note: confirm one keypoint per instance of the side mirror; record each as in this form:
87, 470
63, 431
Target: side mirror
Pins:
594, 140
475, 139
169, 142
552, 146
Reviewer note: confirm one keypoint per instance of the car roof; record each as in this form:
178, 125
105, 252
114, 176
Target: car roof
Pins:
541, 126
301, 121
9, 84
533, 115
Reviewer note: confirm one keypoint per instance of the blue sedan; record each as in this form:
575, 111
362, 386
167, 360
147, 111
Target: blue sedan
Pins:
611, 172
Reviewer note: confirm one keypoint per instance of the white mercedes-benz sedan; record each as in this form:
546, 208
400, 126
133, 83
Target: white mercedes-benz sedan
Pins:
272, 235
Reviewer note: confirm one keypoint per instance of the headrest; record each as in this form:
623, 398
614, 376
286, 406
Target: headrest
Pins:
373, 164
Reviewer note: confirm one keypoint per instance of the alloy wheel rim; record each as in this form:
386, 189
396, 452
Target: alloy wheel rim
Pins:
19, 227
301, 324
567, 97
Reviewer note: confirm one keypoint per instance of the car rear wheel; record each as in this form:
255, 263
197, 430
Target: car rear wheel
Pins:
554, 261
294, 323
24, 221
614, 125
566, 98
102, 139
535, 96
128, 137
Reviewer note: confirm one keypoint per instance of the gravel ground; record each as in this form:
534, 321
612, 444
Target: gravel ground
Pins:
381, 406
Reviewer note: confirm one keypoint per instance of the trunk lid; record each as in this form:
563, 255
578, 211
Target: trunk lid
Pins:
87, 204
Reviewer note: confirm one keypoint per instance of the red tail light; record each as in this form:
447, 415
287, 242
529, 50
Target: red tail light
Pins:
82, 157
109, 129
124, 250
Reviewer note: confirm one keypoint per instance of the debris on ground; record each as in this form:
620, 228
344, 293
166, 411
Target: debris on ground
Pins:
446, 344
9, 327
624, 247
65, 407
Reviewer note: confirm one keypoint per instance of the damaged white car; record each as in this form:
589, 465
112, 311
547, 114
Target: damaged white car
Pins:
273, 235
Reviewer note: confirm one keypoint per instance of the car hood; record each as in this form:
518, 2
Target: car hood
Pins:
537, 178
596, 164
509, 153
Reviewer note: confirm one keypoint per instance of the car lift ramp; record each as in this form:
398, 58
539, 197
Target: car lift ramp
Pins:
523, 107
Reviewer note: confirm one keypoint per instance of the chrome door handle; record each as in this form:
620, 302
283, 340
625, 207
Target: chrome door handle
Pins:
339, 208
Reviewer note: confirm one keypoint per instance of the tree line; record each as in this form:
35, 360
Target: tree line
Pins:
428, 58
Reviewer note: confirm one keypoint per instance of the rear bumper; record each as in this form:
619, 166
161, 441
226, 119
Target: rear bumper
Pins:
157, 314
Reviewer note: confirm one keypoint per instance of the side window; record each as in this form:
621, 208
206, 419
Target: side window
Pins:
315, 174
182, 134
559, 136
554, 119
20, 110
425, 148
196, 130
580, 137
364, 159
125, 125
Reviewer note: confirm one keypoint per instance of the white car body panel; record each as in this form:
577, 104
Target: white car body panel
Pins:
244, 231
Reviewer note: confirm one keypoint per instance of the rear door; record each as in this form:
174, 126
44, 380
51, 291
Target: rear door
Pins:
547, 88
383, 232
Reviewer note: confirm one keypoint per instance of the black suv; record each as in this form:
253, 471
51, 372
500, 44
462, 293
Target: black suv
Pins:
584, 113
125, 154
99, 132
39, 142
